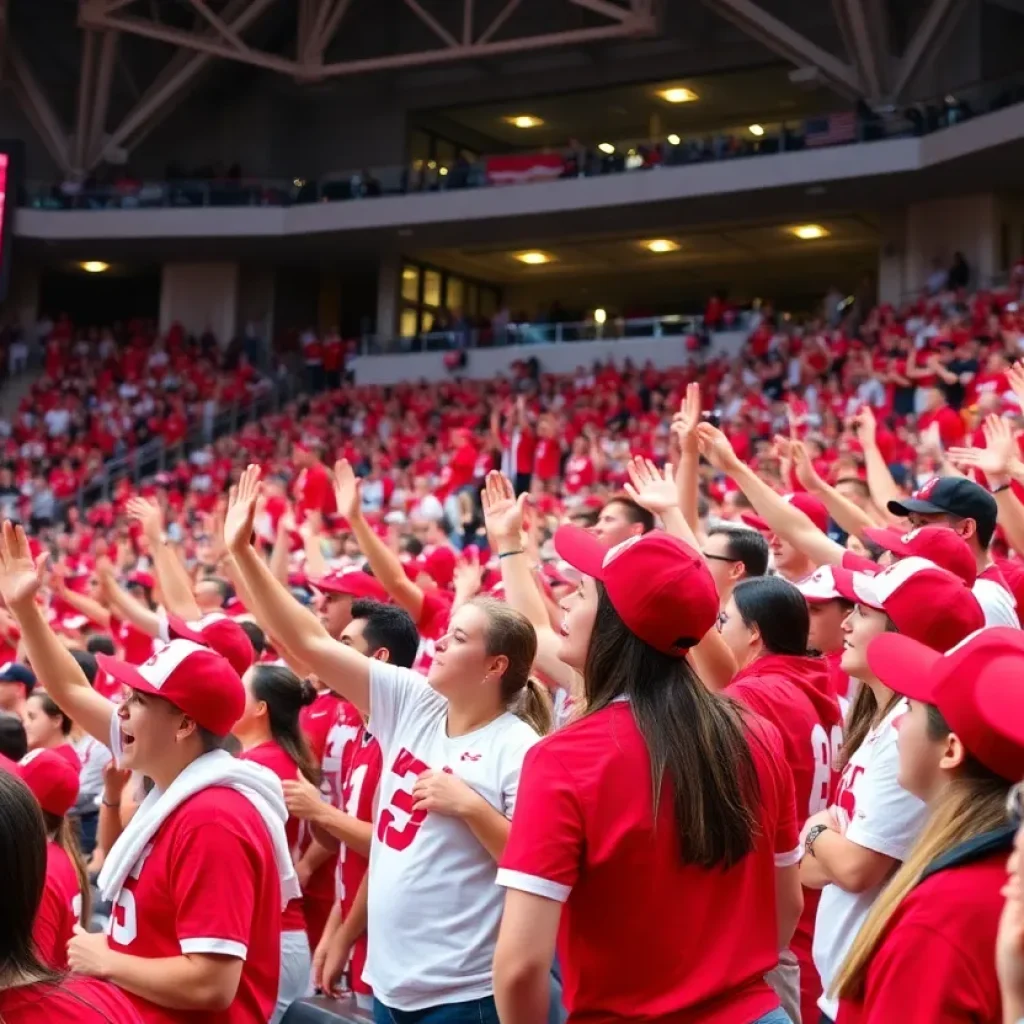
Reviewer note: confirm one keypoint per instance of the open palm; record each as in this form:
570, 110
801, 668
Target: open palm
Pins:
20, 576
238, 520
715, 447
347, 490
684, 422
503, 513
650, 487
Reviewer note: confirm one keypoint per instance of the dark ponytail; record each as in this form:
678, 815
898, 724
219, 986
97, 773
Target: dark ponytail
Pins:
697, 740
285, 696
64, 835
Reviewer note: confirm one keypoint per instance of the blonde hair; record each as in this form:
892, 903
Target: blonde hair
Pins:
974, 803
65, 836
511, 634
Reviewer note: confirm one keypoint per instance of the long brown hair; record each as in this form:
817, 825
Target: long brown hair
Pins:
510, 633
864, 714
285, 695
64, 835
696, 740
972, 804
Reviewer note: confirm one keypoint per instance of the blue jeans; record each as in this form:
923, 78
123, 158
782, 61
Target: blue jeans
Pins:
476, 1011
777, 1016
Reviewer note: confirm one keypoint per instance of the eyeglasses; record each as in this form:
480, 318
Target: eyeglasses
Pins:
721, 621
1015, 804
719, 558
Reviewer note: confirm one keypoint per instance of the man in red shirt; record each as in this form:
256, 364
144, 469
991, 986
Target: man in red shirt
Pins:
950, 423
314, 488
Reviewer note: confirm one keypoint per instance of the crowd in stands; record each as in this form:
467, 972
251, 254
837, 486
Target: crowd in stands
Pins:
734, 644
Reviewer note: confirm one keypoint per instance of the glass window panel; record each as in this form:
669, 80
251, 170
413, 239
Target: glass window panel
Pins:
427, 324
488, 301
454, 294
431, 288
407, 327
471, 299
445, 153
410, 283
419, 146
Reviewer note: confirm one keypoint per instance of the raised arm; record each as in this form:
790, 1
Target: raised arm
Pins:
56, 669
175, 584
91, 609
384, 562
340, 667
782, 518
123, 605
850, 518
684, 427
880, 482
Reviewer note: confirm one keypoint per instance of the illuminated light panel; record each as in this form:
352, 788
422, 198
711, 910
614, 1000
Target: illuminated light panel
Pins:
661, 245
524, 121
95, 267
756, 129
808, 232
678, 94
534, 258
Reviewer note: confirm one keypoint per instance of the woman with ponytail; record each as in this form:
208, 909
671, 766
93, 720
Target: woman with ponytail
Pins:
854, 846
66, 897
270, 735
32, 991
961, 749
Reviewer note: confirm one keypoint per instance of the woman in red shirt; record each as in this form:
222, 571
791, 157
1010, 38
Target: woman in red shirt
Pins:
961, 748
48, 728
270, 735
32, 992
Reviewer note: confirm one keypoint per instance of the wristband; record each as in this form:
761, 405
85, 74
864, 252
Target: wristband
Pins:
812, 836
107, 803
509, 554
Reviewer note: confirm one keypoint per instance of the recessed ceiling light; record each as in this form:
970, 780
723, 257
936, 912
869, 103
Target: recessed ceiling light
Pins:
808, 232
533, 258
757, 129
95, 267
674, 140
524, 121
606, 147
661, 245
678, 95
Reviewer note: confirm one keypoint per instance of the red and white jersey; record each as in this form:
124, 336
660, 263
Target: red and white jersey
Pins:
874, 811
996, 598
271, 755
359, 792
643, 936
206, 884
432, 625
434, 909
136, 646
78, 999
58, 912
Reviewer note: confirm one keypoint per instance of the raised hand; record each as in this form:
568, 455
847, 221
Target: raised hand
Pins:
503, 512
238, 521
715, 447
998, 455
347, 490
1015, 377
149, 515
653, 489
20, 576
468, 576
804, 469
684, 422
867, 427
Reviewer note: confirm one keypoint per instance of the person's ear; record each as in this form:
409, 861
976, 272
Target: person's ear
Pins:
187, 727
954, 753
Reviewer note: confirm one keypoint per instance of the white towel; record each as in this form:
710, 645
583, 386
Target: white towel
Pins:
260, 786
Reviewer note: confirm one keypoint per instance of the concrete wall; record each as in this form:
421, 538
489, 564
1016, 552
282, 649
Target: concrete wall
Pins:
200, 296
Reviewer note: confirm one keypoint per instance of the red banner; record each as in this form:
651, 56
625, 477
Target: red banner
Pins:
524, 168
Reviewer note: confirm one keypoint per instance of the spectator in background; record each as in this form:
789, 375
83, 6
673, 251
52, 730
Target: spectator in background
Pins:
937, 278
314, 489
959, 273
16, 683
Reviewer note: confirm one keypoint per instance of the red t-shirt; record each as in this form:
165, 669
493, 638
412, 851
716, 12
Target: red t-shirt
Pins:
314, 492
271, 755
643, 936
136, 646
949, 923
951, 425
547, 458
795, 695
76, 1000
56, 918
579, 473
359, 791
432, 625
208, 884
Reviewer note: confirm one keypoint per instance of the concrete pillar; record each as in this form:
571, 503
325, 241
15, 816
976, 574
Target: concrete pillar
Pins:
389, 293
200, 296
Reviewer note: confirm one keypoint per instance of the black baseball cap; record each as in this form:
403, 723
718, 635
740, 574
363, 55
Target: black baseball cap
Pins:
15, 672
952, 496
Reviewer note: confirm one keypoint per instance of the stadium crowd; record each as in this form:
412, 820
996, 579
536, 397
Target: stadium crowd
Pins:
632, 694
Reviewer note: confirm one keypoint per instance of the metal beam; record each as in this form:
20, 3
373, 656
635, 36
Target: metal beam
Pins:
85, 91
863, 24
467, 22
604, 8
331, 26
224, 30
794, 47
39, 110
101, 97
502, 16
432, 23
939, 21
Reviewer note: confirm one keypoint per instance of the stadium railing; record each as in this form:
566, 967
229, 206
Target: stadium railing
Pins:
622, 157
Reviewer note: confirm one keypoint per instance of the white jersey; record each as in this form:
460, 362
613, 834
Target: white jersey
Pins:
434, 905
876, 812
997, 603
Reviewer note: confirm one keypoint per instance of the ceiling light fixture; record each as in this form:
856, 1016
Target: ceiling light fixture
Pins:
600, 316
756, 129
524, 121
95, 267
533, 258
674, 140
808, 232
678, 94
661, 245
606, 147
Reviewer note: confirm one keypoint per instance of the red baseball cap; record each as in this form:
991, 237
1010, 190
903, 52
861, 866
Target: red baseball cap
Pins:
660, 587
220, 634
820, 587
52, 779
924, 602
353, 582
806, 503
141, 579
440, 565
976, 686
938, 544
197, 680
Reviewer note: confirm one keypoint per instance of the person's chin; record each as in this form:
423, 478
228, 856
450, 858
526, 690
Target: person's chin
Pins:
851, 661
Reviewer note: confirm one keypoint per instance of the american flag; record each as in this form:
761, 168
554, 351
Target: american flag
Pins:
830, 130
